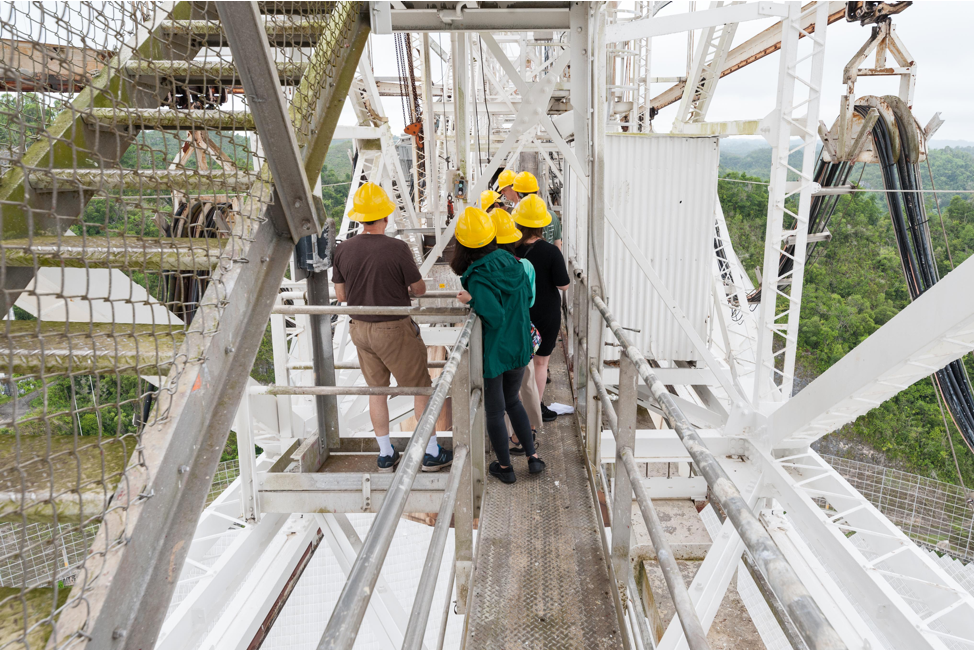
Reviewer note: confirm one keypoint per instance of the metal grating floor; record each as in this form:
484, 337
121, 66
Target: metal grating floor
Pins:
540, 579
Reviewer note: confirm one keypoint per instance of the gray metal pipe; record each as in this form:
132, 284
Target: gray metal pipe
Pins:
359, 310
346, 618
685, 611
341, 390
815, 629
350, 365
419, 616
696, 635
446, 605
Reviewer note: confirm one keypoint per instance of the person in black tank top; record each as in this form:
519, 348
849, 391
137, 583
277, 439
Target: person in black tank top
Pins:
551, 277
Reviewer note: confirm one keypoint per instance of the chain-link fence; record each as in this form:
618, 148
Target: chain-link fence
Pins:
56, 554
932, 513
131, 196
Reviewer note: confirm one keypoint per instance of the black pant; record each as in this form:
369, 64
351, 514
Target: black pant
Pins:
500, 396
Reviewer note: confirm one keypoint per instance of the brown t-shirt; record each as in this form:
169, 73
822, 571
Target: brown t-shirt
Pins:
376, 271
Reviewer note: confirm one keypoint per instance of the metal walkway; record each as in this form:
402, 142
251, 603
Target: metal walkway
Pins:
540, 579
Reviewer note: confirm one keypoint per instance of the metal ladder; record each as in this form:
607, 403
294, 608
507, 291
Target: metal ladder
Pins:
175, 286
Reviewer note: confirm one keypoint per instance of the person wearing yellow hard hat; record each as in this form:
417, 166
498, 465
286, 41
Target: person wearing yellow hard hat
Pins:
551, 277
507, 237
373, 270
497, 289
525, 184
505, 182
488, 200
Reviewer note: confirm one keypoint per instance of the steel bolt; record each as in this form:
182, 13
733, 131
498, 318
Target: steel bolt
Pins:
228, 349
183, 469
306, 225
297, 203
118, 633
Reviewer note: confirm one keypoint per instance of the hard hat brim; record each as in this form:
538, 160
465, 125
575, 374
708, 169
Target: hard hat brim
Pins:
510, 239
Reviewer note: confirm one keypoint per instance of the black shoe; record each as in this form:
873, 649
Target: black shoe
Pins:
518, 450
535, 465
433, 463
388, 463
547, 415
505, 474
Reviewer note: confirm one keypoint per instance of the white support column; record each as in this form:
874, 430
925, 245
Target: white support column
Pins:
715, 43
775, 369
429, 138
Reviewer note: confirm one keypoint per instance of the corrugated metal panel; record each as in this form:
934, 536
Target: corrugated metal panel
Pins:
664, 189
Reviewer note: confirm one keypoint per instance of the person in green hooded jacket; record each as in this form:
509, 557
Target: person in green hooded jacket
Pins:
498, 290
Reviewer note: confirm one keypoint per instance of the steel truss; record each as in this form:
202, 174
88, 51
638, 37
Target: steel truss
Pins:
506, 94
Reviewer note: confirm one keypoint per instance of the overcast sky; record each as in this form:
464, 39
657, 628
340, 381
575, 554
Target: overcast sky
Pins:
935, 33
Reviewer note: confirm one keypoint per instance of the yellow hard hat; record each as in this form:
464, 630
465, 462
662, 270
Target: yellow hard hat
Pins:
370, 204
475, 228
531, 212
507, 232
505, 178
525, 182
488, 198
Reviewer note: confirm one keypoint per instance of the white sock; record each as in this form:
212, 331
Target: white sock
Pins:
433, 448
385, 445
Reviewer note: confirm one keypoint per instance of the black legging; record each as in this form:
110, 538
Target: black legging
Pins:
500, 396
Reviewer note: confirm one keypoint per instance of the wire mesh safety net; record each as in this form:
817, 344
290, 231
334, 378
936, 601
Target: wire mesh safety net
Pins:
132, 185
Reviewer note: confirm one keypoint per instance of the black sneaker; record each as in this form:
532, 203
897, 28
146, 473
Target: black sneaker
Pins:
506, 474
433, 463
547, 415
518, 450
535, 465
388, 463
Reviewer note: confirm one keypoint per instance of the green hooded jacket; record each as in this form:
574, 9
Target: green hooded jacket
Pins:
501, 294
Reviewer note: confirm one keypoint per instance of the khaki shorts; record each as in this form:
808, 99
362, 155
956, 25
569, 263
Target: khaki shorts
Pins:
391, 347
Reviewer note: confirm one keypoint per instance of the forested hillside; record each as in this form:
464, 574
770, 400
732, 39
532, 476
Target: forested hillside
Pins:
853, 285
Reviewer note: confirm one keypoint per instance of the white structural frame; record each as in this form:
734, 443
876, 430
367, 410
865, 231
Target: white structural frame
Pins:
760, 432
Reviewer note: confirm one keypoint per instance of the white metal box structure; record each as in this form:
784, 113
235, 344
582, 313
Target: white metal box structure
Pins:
663, 190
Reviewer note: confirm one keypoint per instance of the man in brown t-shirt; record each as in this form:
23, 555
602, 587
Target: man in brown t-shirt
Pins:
374, 270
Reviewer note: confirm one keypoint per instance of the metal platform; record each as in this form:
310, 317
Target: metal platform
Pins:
541, 579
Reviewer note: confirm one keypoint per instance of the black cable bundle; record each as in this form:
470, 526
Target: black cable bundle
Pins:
902, 180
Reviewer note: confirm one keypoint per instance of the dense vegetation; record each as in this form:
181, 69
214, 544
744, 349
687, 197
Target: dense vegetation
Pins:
854, 285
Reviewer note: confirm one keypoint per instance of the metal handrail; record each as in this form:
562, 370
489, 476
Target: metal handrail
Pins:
364, 310
419, 616
340, 390
685, 611
696, 636
346, 617
815, 629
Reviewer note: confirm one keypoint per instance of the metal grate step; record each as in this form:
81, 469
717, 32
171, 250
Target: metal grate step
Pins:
39, 347
136, 253
163, 119
282, 30
154, 73
190, 181
541, 578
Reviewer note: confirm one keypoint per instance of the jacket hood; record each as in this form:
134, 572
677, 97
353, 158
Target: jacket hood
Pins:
503, 269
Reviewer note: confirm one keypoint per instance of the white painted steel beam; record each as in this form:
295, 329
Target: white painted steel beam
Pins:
344, 492
890, 579
842, 614
466, 18
937, 328
716, 571
267, 581
662, 25
385, 614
